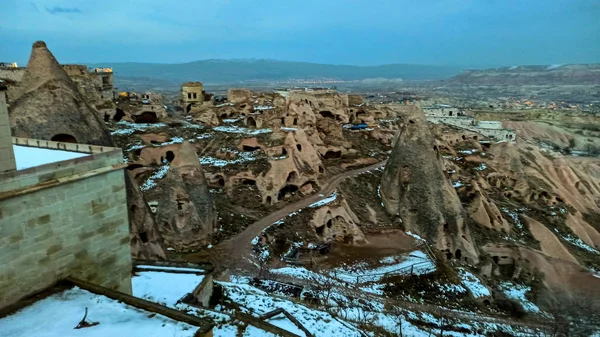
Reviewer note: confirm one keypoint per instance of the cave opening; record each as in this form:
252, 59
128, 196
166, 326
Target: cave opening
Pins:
170, 156
188, 107
458, 254
143, 236
326, 114
320, 230
329, 223
249, 182
287, 189
299, 147
269, 200
146, 117
250, 148
251, 122
332, 154
119, 114
63, 138
292, 176
221, 181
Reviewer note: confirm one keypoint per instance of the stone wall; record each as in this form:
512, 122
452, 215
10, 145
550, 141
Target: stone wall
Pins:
12, 74
67, 219
489, 125
91, 85
191, 92
7, 157
442, 112
462, 121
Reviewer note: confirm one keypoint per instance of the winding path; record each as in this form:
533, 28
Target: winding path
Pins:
242, 242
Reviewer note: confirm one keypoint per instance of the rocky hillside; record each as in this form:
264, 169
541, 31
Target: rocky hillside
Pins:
568, 74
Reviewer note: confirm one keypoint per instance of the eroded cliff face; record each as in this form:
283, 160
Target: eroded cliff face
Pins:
48, 105
186, 214
414, 187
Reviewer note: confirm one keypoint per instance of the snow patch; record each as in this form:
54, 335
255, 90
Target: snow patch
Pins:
473, 283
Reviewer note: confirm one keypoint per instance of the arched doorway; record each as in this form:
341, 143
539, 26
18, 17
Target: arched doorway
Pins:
63, 138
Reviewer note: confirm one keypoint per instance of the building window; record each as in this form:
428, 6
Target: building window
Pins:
194, 95
104, 80
189, 95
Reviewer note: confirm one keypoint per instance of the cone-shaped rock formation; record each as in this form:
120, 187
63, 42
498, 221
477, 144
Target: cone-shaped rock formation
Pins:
49, 106
415, 187
186, 213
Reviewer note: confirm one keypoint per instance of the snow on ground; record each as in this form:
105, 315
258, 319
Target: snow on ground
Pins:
58, 314
242, 157
514, 216
127, 128
481, 167
473, 283
167, 268
325, 201
262, 107
517, 292
302, 274
457, 184
164, 288
237, 129
27, 157
416, 263
577, 242
232, 120
258, 302
151, 182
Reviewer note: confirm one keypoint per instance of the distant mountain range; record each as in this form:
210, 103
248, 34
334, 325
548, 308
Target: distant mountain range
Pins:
564, 74
231, 71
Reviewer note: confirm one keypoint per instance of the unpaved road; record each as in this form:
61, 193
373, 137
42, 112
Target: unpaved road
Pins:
241, 243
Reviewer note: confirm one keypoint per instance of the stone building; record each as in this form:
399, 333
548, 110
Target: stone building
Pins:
192, 92
63, 209
446, 114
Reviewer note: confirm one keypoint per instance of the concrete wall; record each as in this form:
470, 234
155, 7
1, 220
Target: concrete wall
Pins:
489, 125
64, 219
442, 112
7, 157
503, 134
462, 121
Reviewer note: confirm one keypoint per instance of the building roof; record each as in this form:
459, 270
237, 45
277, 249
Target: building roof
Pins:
27, 157
57, 315
192, 84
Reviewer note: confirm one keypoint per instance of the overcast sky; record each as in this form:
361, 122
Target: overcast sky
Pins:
361, 32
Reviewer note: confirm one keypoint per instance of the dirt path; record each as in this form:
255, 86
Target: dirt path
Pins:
241, 243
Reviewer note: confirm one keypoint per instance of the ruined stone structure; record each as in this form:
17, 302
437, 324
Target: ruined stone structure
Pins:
96, 86
445, 114
192, 93
48, 104
414, 187
62, 219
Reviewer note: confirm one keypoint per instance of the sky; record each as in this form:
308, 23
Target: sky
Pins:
468, 33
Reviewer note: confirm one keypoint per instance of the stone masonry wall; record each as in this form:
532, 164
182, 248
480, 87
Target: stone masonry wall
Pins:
51, 229
7, 157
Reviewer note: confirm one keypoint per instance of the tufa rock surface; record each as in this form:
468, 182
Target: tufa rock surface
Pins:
186, 213
48, 104
414, 187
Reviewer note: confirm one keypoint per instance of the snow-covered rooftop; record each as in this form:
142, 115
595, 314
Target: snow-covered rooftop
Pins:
58, 315
28, 157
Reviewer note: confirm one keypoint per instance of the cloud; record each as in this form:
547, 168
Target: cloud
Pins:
62, 10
